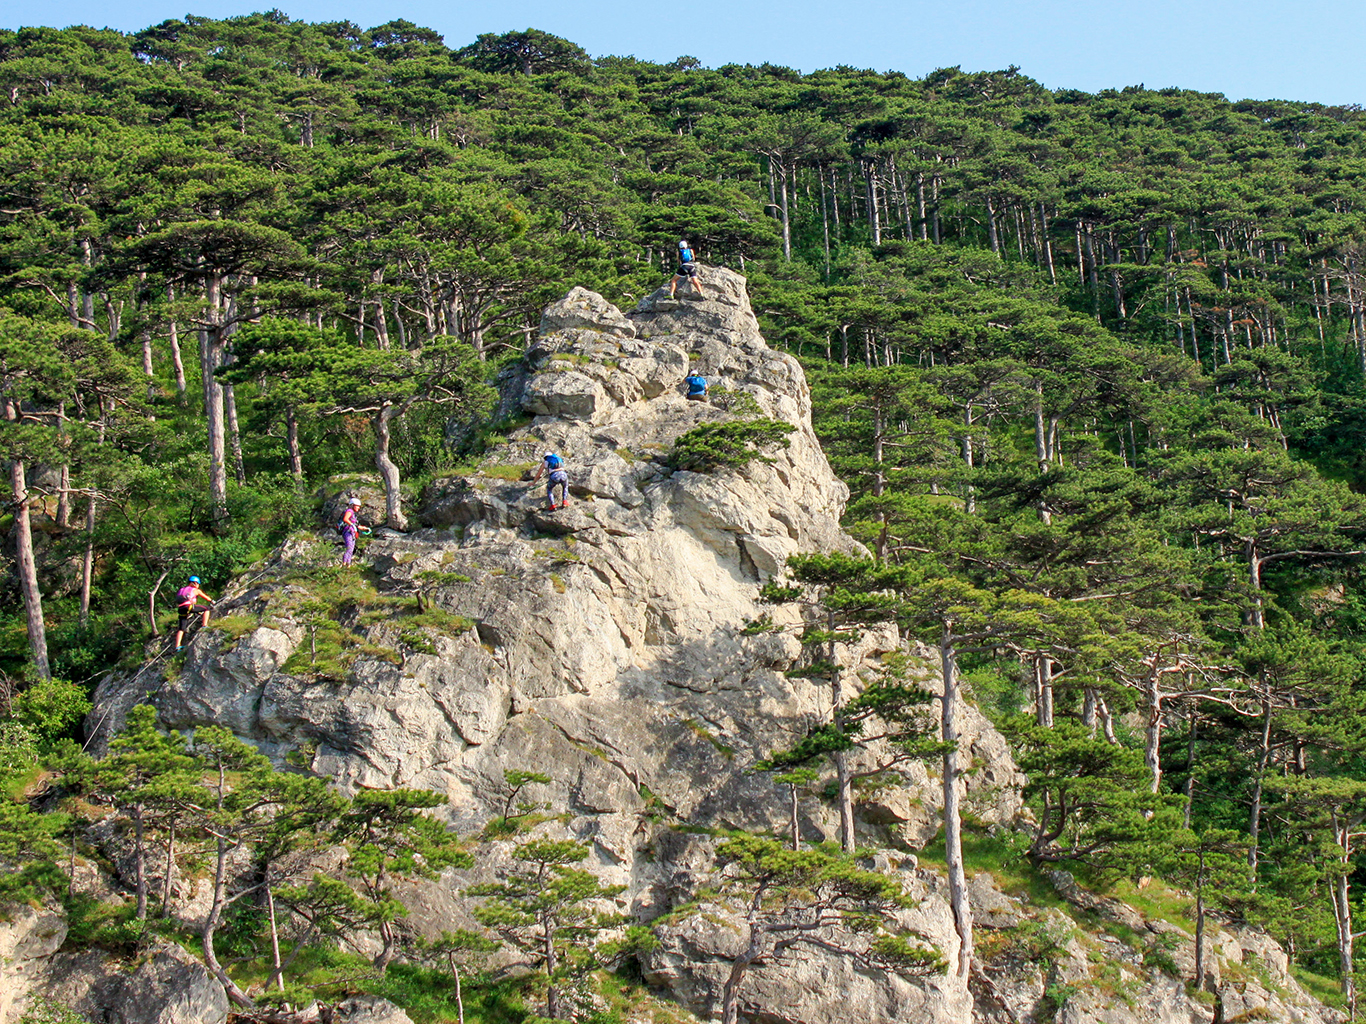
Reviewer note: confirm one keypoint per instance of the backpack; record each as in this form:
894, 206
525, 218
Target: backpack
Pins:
553, 462
686, 256
185, 596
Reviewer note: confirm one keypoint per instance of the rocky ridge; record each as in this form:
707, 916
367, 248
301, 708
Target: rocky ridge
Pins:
604, 644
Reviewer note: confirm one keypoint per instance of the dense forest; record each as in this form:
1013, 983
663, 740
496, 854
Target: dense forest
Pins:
1094, 366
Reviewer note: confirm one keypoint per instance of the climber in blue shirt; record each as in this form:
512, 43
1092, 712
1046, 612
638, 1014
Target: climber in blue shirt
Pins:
687, 270
553, 464
697, 387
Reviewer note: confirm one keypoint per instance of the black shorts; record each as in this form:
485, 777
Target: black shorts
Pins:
687, 270
187, 611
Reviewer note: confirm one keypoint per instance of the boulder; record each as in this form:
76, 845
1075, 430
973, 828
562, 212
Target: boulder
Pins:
170, 988
368, 1010
28, 936
585, 309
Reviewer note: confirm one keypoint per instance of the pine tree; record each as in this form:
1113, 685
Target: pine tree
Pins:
552, 912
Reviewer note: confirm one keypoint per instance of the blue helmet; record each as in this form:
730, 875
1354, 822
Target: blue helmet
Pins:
194, 579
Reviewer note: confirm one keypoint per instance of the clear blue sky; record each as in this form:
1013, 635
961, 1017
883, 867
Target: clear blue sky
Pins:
1282, 49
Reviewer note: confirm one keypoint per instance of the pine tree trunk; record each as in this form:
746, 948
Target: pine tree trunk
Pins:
139, 864
64, 491
210, 358
552, 992
170, 867
277, 973
173, 335
934, 187
28, 572
870, 182
1190, 772
87, 562
787, 222
730, 993
1199, 978
969, 493
1342, 913
1043, 690
835, 200
920, 205
296, 459
1041, 453
953, 822
825, 221
210, 928
459, 997
381, 324
1256, 615
393, 498
388, 946
1047, 244
1152, 733
234, 434
1254, 825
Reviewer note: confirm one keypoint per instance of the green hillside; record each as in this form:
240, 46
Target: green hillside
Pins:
1093, 366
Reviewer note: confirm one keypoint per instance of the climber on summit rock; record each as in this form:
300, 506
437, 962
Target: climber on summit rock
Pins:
554, 465
186, 601
687, 270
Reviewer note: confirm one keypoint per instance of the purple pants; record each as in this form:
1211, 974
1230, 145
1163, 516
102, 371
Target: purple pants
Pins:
559, 478
349, 535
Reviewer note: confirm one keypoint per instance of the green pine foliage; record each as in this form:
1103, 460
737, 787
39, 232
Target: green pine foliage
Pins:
730, 444
1092, 365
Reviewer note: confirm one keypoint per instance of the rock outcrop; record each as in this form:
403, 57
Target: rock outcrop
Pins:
605, 639
605, 645
28, 937
166, 986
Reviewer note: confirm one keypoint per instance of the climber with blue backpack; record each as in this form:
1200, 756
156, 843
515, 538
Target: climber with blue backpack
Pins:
186, 601
697, 387
554, 465
687, 270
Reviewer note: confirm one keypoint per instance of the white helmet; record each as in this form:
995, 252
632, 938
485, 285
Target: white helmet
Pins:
548, 455
354, 501
682, 245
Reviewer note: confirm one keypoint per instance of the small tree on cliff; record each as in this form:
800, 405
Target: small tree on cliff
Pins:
245, 803
956, 615
153, 779
790, 901
729, 444
890, 714
551, 910
389, 838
